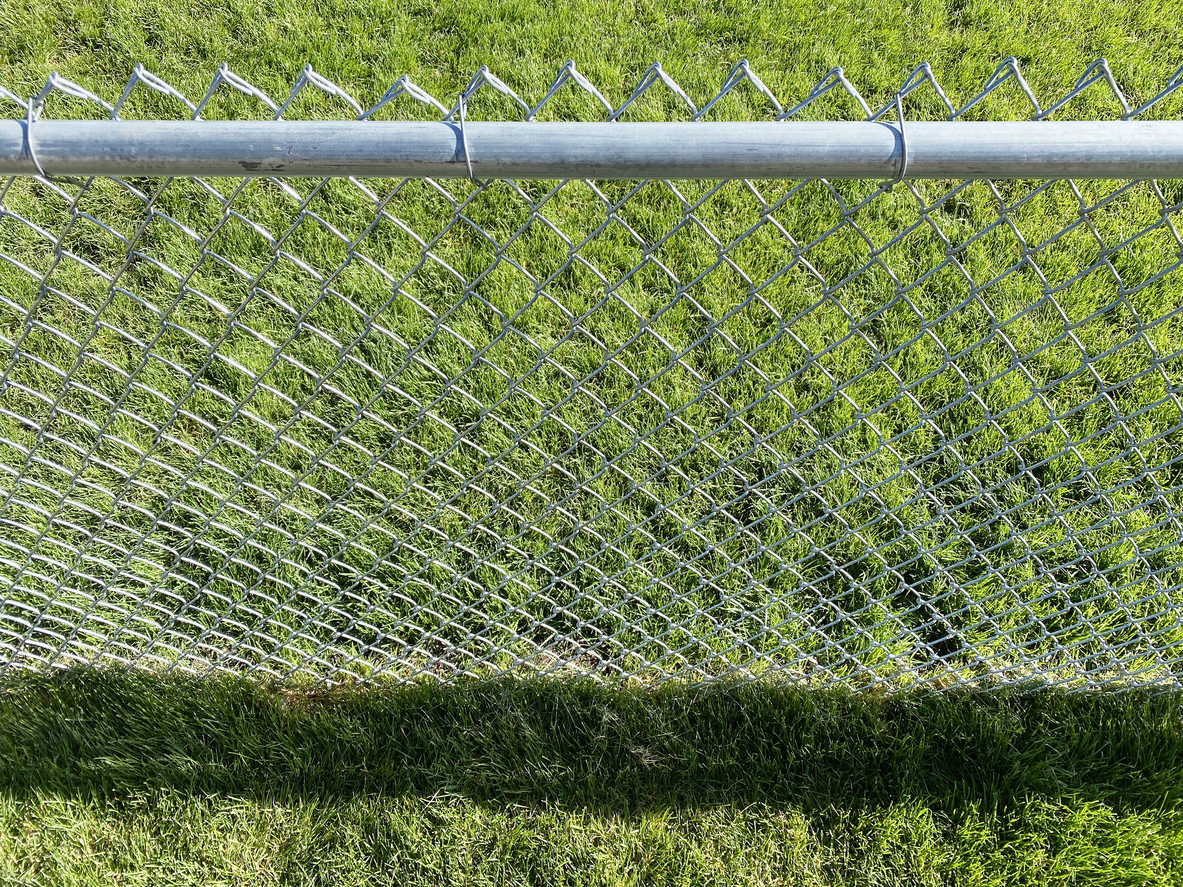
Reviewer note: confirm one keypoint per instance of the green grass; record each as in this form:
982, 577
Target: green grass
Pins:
126, 776
220, 782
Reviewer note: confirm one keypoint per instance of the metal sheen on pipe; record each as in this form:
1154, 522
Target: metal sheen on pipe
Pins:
763, 150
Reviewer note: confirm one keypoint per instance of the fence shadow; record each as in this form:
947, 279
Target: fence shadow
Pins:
102, 734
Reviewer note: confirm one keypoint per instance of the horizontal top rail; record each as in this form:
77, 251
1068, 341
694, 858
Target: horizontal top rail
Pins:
612, 150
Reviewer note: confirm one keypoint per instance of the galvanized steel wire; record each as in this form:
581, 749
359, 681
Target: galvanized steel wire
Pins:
861, 433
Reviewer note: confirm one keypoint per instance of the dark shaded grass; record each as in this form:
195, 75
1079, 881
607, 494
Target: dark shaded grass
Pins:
115, 775
101, 735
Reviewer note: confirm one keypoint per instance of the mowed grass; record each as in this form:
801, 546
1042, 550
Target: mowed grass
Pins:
268, 445
132, 777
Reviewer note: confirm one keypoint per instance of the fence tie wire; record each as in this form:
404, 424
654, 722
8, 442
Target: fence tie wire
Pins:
899, 176
30, 117
461, 107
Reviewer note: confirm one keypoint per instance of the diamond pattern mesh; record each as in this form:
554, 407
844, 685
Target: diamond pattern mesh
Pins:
831, 431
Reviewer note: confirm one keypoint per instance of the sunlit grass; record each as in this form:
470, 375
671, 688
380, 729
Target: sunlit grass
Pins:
934, 460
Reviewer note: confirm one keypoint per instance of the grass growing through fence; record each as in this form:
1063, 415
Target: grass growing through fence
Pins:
823, 580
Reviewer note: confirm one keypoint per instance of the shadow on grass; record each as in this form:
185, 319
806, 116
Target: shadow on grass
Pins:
102, 734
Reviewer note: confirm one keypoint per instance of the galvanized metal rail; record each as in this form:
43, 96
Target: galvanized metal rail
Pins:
611, 150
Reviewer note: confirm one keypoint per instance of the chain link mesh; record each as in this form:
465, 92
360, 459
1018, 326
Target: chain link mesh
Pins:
837, 432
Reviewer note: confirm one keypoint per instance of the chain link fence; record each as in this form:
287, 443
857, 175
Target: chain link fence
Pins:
830, 431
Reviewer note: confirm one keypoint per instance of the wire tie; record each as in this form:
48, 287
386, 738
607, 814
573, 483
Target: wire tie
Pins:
899, 177
30, 117
464, 134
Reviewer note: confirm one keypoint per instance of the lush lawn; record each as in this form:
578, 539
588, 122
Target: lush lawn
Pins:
293, 432
107, 777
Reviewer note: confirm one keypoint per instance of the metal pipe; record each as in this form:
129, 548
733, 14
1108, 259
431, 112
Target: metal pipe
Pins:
767, 150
